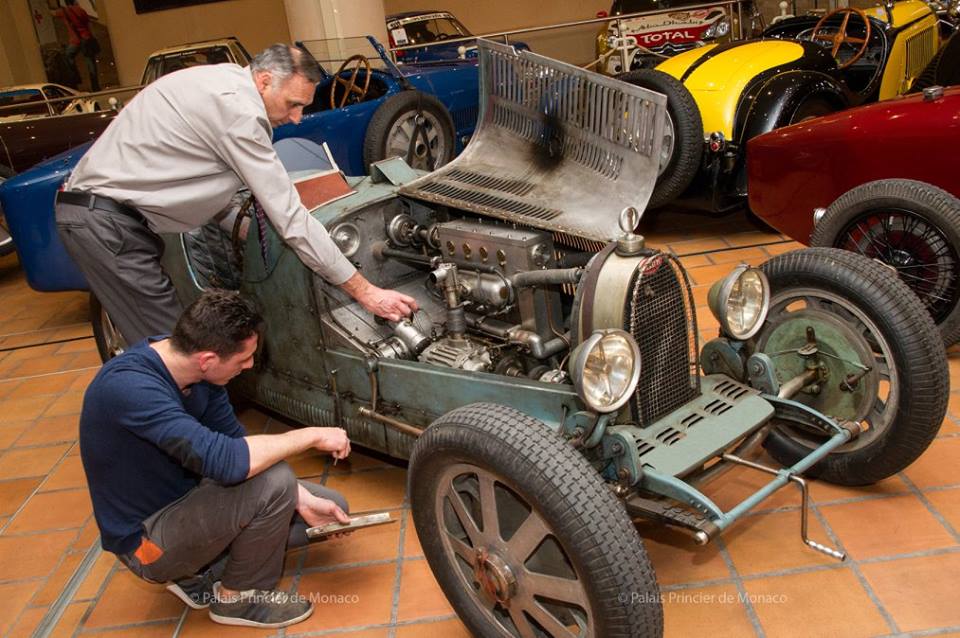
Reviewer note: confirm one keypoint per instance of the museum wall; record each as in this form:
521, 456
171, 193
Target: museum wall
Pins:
20, 61
257, 23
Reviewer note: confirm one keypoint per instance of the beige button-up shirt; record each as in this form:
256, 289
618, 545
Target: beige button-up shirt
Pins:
182, 148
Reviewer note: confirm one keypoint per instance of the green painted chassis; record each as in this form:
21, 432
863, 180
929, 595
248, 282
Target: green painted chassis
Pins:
298, 376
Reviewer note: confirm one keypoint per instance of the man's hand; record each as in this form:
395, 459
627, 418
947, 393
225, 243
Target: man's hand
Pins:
388, 304
318, 511
333, 440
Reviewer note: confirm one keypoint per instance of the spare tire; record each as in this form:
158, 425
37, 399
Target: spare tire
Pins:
682, 136
414, 126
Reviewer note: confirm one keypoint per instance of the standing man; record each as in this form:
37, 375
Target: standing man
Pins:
171, 161
81, 39
180, 491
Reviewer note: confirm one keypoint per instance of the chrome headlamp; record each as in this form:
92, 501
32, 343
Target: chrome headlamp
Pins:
740, 301
605, 369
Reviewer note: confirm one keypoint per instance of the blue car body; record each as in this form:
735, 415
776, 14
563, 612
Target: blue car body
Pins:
27, 199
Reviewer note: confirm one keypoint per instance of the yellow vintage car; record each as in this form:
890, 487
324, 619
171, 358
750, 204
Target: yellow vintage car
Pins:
720, 96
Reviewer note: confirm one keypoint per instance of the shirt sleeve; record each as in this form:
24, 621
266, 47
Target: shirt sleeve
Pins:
219, 415
148, 411
248, 150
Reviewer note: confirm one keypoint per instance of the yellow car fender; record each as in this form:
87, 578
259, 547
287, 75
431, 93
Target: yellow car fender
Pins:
717, 75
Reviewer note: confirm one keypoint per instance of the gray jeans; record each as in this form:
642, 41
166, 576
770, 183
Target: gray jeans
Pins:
120, 257
253, 523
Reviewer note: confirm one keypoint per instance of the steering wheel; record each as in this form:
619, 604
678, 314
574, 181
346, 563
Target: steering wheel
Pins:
841, 37
358, 61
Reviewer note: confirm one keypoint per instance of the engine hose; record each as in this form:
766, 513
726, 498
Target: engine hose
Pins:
546, 277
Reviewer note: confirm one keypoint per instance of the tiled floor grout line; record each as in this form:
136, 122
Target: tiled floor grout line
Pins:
55, 612
26, 332
855, 568
3, 528
741, 590
357, 628
48, 374
932, 509
398, 575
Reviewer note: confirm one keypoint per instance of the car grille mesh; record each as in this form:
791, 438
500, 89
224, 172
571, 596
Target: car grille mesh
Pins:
663, 322
920, 50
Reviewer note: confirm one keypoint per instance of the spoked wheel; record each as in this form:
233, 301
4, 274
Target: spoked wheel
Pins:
523, 535
418, 138
882, 364
916, 248
912, 227
414, 126
110, 342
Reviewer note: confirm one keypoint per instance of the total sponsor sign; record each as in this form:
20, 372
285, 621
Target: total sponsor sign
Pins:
675, 26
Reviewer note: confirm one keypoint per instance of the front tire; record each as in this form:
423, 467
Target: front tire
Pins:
910, 226
522, 533
863, 319
682, 147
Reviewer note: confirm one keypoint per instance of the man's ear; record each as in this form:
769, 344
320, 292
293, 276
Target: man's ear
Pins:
205, 359
262, 79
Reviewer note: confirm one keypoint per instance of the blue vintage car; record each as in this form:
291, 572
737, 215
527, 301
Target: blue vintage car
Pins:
440, 33
363, 114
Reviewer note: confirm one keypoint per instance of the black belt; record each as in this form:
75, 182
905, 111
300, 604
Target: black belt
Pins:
91, 201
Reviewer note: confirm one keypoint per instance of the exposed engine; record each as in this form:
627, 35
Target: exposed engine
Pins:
503, 299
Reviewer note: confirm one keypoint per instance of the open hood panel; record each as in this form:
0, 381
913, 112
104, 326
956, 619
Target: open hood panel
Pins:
556, 148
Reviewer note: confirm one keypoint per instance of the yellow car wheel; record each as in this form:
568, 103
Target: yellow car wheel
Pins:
682, 146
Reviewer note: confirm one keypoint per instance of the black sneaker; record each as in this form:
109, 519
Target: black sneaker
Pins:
261, 608
197, 590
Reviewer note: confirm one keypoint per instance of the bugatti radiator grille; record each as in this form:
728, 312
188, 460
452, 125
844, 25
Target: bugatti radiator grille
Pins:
556, 147
663, 323
920, 49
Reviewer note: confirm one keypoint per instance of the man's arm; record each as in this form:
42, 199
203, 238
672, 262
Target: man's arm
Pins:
266, 450
248, 150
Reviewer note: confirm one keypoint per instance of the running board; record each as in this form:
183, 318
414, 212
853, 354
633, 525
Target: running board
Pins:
706, 520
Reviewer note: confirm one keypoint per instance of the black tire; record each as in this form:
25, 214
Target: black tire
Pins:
912, 227
855, 306
109, 341
538, 480
680, 162
395, 125
6, 240
810, 108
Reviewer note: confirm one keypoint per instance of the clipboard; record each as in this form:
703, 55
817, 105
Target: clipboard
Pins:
356, 522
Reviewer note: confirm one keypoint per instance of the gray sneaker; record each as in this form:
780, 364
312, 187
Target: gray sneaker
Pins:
261, 608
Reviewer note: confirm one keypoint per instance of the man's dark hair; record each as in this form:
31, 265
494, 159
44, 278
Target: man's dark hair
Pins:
219, 321
283, 60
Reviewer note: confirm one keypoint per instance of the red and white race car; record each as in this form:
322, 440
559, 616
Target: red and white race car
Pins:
648, 39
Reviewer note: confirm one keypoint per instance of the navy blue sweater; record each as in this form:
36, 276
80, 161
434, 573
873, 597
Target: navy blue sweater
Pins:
144, 443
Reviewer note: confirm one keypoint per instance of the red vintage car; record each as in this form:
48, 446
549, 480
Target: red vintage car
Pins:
882, 180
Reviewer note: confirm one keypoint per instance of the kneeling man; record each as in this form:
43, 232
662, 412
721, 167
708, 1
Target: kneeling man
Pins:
181, 493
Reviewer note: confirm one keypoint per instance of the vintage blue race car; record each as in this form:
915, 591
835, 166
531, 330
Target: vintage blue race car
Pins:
363, 114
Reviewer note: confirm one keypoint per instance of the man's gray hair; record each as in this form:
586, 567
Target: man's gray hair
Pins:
282, 60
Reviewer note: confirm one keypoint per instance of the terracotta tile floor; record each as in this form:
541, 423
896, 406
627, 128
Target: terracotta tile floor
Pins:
758, 579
